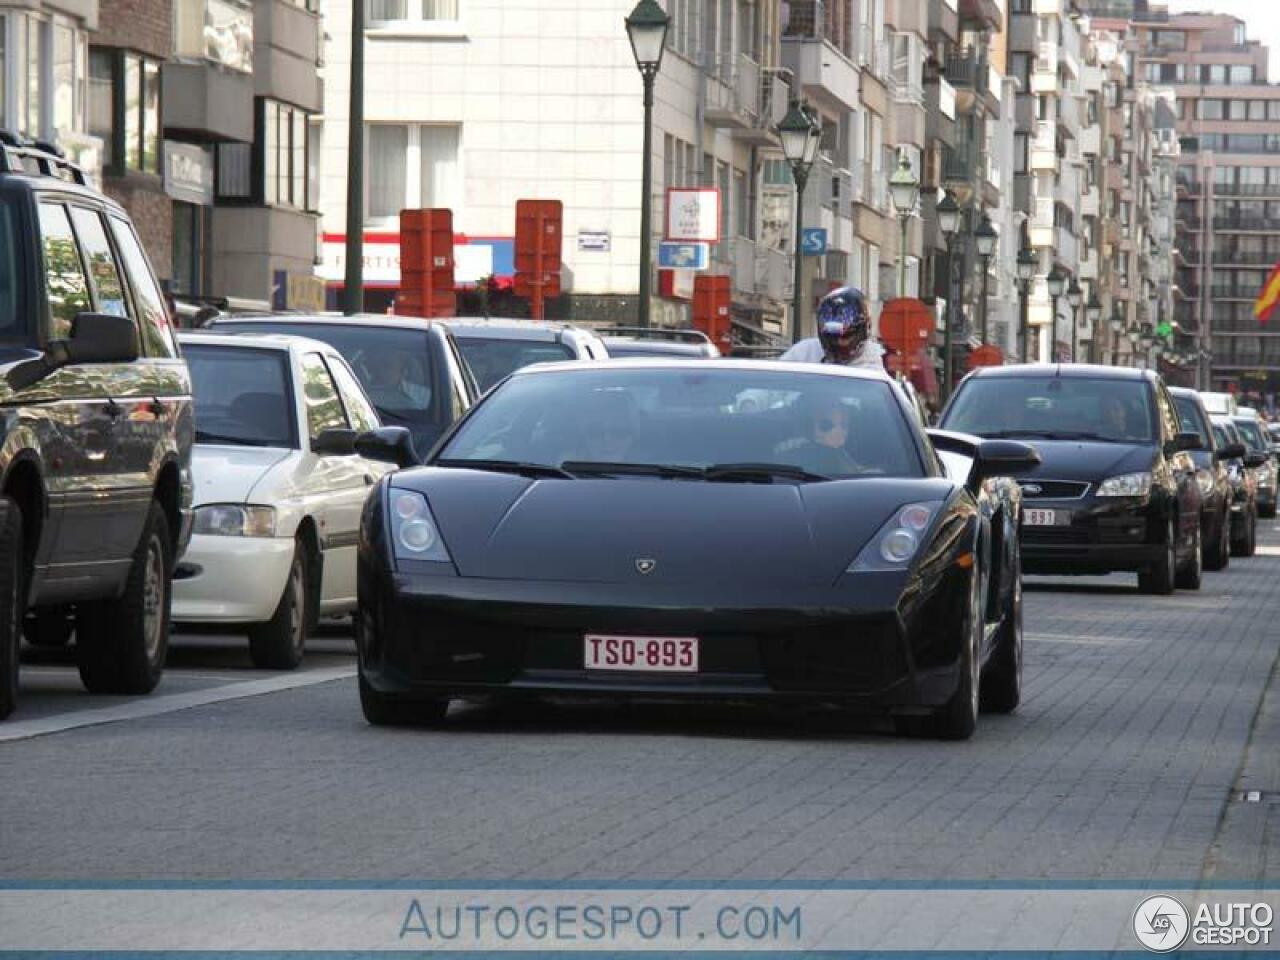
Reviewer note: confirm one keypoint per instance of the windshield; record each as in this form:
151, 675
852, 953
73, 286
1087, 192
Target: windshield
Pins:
1049, 407
1189, 418
491, 358
242, 396
393, 365
1252, 435
823, 426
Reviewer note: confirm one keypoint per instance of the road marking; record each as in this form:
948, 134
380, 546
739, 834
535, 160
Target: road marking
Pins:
1082, 641
171, 703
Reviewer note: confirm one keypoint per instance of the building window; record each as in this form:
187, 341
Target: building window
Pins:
124, 110
216, 30
284, 161
400, 12
412, 167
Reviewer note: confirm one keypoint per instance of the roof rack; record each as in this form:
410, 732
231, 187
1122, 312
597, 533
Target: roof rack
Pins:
655, 333
49, 159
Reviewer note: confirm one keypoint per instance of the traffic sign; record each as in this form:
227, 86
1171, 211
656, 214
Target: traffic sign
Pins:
684, 256
813, 241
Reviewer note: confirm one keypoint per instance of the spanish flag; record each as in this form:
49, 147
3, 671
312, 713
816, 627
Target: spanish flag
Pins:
1269, 298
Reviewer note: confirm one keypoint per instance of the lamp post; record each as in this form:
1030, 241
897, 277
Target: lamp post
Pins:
904, 190
949, 223
985, 237
1027, 263
800, 135
1057, 284
353, 289
647, 29
1075, 297
1117, 327
1093, 311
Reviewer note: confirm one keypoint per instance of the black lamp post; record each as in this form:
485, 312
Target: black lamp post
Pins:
985, 237
1027, 263
904, 190
353, 290
647, 30
1093, 311
1075, 297
949, 223
1057, 284
800, 135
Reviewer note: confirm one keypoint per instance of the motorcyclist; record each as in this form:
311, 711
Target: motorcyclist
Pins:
844, 334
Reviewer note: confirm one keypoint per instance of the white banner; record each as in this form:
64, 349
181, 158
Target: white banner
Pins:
365, 920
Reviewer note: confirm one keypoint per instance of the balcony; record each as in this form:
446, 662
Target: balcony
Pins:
940, 110
286, 51
1068, 114
944, 20
1044, 75
208, 89
1044, 149
982, 14
822, 71
1088, 268
1091, 202
1090, 140
747, 101
970, 73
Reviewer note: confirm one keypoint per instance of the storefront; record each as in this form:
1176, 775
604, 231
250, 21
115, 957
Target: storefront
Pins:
188, 181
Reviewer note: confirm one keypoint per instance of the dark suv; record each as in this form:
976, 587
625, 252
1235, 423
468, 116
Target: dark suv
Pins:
1116, 488
95, 469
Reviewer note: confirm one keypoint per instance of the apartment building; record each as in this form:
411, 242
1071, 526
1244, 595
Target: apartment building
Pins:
1228, 192
201, 108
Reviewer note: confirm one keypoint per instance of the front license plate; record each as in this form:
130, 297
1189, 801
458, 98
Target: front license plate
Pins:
640, 654
1039, 518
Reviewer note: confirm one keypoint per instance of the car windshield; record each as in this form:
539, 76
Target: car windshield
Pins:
242, 396
812, 426
392, 364
1055, 408
1220, 435
1251, 435
493, 358
1189, 418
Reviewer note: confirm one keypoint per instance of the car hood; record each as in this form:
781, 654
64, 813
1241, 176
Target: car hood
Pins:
599, 529
229, 474
1087, 461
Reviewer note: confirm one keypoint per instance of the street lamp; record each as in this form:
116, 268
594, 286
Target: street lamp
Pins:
1057, 284
1027, 263
800, 135
985, 238
647, 30
949, 223
353, 288
1093, 311
904, 190
1075, 297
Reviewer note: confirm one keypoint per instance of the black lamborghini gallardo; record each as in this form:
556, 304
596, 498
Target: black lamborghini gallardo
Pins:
712, 529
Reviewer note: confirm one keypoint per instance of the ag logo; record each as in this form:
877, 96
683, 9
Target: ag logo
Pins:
1161, 924
645, 565
1032, 488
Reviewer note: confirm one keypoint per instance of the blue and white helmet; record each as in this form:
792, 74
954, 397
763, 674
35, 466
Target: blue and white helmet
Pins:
843, 323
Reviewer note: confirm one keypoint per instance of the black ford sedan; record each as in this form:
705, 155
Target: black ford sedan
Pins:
1212, 477
1116, 488
636, 530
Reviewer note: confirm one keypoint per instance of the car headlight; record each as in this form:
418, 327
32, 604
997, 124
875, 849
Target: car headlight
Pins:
414, 534
1204, 480
1126, 485
235, 520
1266, 475
895, 544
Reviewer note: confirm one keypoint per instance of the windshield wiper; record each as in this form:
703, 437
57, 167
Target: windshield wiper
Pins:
604, 468
203, 436
538, 470
760, 473
1052, 435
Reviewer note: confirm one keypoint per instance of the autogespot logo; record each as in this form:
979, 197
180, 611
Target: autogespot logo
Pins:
1161, 924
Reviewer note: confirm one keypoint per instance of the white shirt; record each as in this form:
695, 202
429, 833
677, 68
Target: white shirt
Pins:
811, 351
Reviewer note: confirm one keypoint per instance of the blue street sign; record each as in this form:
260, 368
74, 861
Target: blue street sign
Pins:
813, 241
684, 256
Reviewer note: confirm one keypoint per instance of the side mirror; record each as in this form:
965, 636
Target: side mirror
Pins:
95, 338
336, 442
389, 445
1231, 451
1182, 442
1005, 458
1255, 460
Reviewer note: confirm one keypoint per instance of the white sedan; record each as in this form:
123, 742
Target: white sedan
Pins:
278, 489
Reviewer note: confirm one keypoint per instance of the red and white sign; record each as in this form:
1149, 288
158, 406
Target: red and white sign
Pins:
472, 261
693, 214
640, 654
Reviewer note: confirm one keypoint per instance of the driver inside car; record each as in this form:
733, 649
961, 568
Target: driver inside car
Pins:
823, 449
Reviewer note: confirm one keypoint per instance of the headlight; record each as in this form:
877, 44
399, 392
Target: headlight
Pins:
235, 520
414, 533
1266, 475
1126, 485
1204, 480
896, 543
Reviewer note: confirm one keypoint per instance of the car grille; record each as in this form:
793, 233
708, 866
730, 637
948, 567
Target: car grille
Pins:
1037, 535
1054, 490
